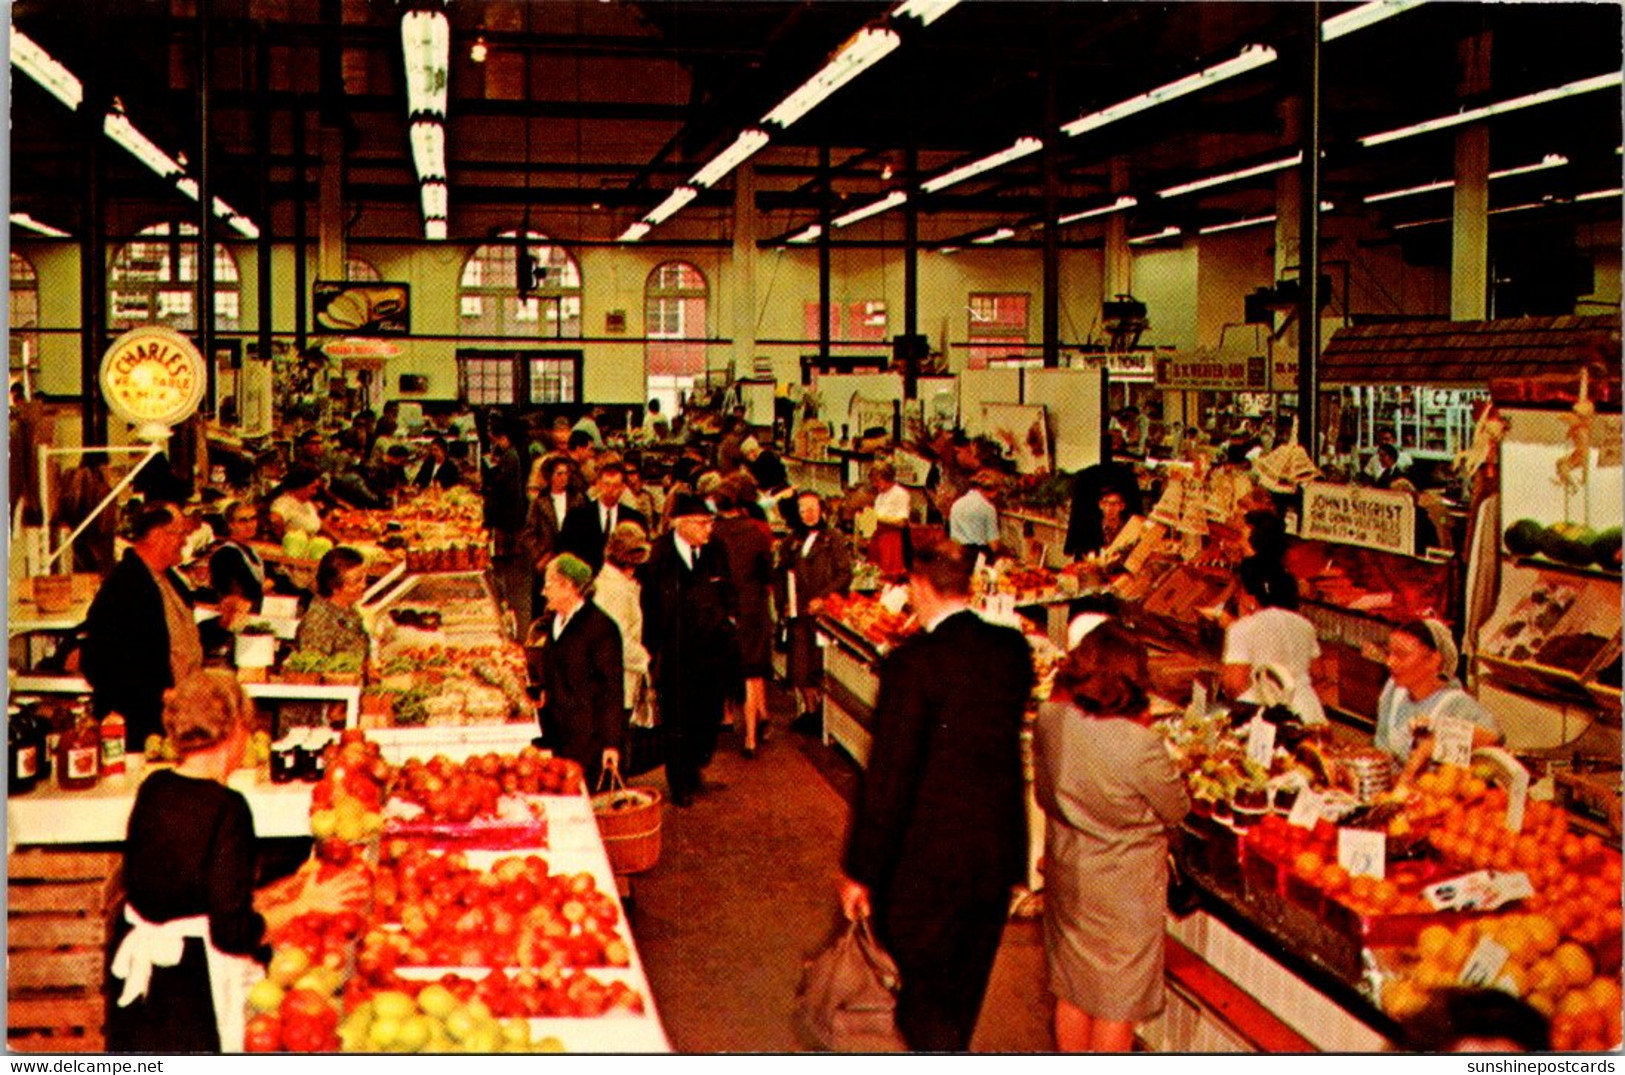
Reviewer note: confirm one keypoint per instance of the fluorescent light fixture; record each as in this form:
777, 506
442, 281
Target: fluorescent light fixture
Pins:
1422, 223
244, 226
1358, 18
948, 250
1023, 147
1231, 177
895, 198
1595, 195
674, 201
188, 186
927, 11
426, 47
996, 237
1473, 115
23, 220
39, 65
743, 148
1550, 160
635, 232
807, 234
1127, 201
121, 130
434, 229
434, 197
1251, 57
1166, 233
1519, 208
1213, 229
861, 51
429, 149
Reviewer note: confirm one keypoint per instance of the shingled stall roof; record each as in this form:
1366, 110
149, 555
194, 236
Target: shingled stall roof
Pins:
1470, 353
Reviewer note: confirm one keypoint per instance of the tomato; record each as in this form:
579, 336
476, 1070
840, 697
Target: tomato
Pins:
263, 1034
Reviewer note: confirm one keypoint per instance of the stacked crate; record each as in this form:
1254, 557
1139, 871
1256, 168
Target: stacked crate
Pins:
61, 906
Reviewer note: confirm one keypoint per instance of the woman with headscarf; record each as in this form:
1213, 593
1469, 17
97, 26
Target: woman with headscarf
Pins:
750, 558
1422, 689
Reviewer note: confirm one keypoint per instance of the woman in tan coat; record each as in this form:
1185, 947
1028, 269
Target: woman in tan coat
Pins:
1109, 792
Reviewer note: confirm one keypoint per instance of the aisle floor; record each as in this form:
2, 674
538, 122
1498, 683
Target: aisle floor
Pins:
745, 889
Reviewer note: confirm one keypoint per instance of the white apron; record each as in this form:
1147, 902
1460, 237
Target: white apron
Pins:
150, 945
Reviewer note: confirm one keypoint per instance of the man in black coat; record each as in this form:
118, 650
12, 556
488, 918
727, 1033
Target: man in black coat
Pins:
502, 487
583, 688
939, 835
140, 638
1083, 528
689, 630
587, 527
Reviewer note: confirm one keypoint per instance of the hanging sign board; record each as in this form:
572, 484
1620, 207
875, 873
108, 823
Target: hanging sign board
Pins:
1354, 515
153, 378
1212, 371
381, 309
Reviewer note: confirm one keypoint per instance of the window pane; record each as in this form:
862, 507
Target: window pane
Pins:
553, 380
148, 277
486, 380
473, 306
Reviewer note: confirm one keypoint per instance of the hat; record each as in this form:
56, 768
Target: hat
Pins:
1445, 645
685, 505
573, 569
709, 483
750, 446
626, 544
986, 478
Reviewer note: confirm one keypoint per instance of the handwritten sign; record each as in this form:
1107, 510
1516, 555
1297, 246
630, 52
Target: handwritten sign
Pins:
1453, 741
1484, 890
1306, 810
1354, 515
1484, 966
1260, 742
1362, 852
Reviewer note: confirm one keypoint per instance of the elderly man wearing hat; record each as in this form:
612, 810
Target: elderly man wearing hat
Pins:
1422, 690
583, 694
973, 521
689, 629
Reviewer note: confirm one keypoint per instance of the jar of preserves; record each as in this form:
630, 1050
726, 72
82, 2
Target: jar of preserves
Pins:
79, 753
22, 751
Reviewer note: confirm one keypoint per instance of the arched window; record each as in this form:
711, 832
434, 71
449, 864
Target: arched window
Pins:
361, 271
489, 303
153, 281
24, 314
674, 317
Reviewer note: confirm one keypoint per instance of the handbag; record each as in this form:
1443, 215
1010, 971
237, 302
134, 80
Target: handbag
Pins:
645, 738
847, 1000
1184, 898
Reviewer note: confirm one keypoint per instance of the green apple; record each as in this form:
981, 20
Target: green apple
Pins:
460, 1023
266, 996
393, 1004
295, 543
382, 1034
485, 1038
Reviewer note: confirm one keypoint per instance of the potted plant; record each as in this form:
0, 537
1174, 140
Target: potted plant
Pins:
343, 669
303, 667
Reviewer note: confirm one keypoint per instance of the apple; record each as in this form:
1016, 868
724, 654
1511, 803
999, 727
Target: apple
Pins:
323, 823
288, 965
437, 1000
266, 995
383, 1032
414, 1034
263, 1034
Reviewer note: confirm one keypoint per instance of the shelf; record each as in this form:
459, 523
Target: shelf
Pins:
1540, 563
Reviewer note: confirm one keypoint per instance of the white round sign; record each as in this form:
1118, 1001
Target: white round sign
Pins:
153, 377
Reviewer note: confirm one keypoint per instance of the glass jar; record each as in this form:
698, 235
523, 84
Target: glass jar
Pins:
22, 751
79, 753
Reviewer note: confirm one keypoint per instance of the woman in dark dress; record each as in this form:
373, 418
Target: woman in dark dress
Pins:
191, 911
750, 559
814, 562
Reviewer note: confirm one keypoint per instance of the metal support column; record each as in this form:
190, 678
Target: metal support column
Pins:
1048, 160
1309, 244
823, 255
92, 251
205, 231
300, 270
911, 274
262, 142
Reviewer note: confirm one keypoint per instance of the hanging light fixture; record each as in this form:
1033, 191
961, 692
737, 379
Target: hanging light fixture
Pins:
860, 52
1251, 57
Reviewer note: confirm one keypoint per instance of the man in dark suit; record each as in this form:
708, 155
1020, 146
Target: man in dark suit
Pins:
939, 834
583, 689
140, 638
587, 527
502, 487
689, 631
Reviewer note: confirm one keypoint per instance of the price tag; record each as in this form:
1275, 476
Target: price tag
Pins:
1260, 742
1453, 741
1484, 965
1363, 852
1510, 887
893, 599
1198, 707
1305, 810
1483, 890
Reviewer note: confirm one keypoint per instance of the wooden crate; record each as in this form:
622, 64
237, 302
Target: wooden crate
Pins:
61, 906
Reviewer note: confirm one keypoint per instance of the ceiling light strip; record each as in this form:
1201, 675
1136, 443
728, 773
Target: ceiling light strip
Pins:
1023, 147
892, 200
1213, 229
1251, 57
996, 237
23, 220
36, 63
1232, 177
1166, 233
749, 142
860, 52
674, 201
428, 139
807, 234
1550, 160
1358, 18
927, 11
1472, 115
635, 232
1597, 195
426, 48
1127, 201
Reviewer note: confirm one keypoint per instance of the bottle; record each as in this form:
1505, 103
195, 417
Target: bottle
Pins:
285, 760
22, 751
112, 733
79, 753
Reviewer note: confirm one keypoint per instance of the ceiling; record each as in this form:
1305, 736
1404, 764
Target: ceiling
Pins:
586, 113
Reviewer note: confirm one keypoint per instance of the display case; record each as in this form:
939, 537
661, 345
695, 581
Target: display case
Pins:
1429, 423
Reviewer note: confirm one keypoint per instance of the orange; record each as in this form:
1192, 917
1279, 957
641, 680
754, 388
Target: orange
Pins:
1432, 940
1575, 963
1546, 977
1543, 932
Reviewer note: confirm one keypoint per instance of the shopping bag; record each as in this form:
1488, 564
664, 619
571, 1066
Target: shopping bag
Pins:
645, 738
847, 1000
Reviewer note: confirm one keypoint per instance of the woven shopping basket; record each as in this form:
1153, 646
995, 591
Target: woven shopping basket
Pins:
629, 822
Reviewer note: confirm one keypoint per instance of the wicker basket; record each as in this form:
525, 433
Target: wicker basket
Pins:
629, 822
